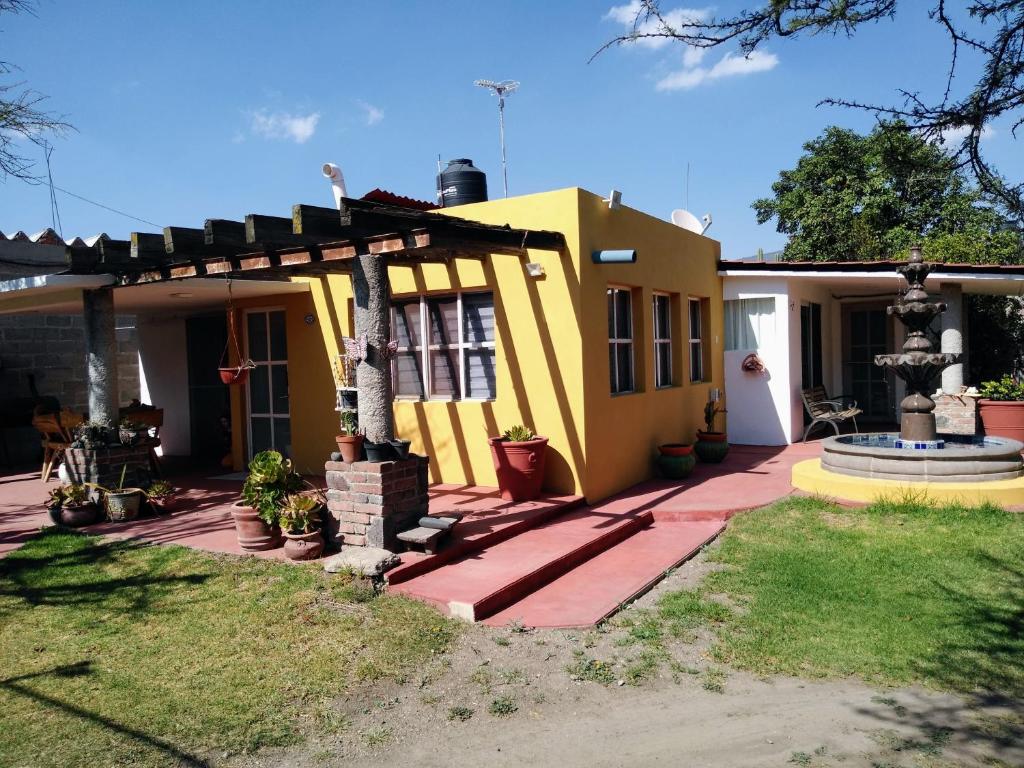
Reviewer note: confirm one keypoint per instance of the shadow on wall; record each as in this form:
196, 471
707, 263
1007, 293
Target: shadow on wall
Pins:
467, 425
753, 399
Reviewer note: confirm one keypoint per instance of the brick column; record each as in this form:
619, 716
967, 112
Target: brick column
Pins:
371, 502
956, 415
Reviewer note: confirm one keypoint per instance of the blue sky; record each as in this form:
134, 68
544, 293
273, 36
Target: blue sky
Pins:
193, 110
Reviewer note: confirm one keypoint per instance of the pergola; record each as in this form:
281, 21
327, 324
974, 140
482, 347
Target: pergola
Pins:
361, 238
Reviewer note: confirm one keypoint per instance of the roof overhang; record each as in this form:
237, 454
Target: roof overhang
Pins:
62, 294
880, 277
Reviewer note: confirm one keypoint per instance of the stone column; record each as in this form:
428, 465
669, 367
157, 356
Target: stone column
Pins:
101, 356
953, 335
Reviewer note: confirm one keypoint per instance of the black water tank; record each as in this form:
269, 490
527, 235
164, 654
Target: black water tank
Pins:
461, 182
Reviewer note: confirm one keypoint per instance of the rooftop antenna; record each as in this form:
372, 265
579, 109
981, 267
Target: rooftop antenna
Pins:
502, 89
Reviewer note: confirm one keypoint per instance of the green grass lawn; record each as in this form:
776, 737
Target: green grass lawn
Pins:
895, 593
116, 653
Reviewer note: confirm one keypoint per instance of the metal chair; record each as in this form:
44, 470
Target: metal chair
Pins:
831, 411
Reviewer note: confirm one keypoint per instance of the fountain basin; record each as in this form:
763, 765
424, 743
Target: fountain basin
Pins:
962, 458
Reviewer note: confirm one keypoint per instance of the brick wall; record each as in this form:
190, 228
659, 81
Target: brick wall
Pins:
370, 503
956, 415
52, 347
103, 466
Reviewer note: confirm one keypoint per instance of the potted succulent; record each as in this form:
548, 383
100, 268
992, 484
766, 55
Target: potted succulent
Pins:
711, 446
519, 463
271, 478
70, 505
676, 460
160, 497
122, 504
350, 442
299, 515
129, 432
1001, 407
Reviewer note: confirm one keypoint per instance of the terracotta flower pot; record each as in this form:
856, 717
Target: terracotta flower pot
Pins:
233, 375
350, 447
164, 505
675, 449
519, 467
711, 447
254, 535
1002, 418
78, 515
303, 546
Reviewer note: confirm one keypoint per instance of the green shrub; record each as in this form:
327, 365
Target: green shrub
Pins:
270, 479
1007, 388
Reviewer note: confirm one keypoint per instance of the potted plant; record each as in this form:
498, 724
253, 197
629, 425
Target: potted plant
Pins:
676, 460
160, 497
128, 431
400, 448
519, 463
70, 505
122, 504
271, 478
711, 446
300, 523
1001, 407
350, 442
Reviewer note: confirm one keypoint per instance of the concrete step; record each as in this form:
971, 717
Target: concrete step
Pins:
597, 588
479, 529
481, 584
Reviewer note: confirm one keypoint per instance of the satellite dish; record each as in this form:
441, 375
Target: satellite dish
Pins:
686, 220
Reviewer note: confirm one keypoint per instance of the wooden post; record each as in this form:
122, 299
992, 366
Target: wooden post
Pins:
101, 356
373, 375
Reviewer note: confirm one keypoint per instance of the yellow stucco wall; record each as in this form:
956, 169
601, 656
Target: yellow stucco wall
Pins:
552, 349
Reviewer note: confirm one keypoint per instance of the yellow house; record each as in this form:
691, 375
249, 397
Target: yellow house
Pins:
570, 348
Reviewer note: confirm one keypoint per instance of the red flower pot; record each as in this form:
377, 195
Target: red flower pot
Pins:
233, 375
675, 449
519, 466
1002, 418
254, 535
350, 447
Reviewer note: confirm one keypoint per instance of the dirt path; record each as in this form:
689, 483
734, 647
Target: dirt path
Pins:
508, 698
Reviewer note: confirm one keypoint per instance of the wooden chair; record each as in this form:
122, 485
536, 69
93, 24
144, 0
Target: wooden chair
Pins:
831, 411
154, 419
55, 430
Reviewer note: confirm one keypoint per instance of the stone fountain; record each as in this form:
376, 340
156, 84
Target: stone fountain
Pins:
917, 365
917, 453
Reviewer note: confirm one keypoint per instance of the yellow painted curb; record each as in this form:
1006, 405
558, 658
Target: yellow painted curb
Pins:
809, 476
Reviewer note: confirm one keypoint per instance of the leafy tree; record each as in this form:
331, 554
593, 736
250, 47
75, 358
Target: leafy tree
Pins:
989, 33
20, 113
855, 197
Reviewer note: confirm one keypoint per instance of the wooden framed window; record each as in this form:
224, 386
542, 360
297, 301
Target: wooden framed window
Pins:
662, 307
696, 338
446, 347
620, 340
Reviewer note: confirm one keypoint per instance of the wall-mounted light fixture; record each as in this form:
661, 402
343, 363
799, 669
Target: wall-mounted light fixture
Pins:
535, 269
613, 257
614, 200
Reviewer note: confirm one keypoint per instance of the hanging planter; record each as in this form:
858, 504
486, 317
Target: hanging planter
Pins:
233, 374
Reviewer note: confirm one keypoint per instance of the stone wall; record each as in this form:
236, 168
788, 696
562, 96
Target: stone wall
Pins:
52, 348
956, 415
370, 503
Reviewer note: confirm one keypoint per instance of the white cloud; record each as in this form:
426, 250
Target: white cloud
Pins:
284, 125
729, 65
626, 16
953, 136
373, 114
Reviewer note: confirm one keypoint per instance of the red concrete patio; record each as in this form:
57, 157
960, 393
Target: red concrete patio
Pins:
551, 562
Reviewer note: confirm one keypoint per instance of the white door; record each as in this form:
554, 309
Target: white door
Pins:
266, 344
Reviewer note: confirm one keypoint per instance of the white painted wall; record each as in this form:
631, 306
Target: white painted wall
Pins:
163, 379
801, 293
759, 403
